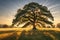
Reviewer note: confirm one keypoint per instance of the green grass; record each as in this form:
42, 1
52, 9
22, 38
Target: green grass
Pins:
33, 35
38, 35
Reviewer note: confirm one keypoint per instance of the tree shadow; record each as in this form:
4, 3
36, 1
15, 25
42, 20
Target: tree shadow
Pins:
11, 37
56, 34
34, 35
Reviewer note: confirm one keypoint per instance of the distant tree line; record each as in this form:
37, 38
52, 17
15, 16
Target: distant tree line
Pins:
4, 26
7, 26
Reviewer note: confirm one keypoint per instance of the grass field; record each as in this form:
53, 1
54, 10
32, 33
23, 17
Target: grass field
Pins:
22, 34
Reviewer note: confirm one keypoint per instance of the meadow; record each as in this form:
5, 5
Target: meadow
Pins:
29, 34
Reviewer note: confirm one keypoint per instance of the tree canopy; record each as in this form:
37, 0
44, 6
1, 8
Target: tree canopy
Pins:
34, 14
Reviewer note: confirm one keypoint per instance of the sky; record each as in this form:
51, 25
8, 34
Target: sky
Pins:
8, 8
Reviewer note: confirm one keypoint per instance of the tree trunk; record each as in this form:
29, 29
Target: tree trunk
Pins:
34, 27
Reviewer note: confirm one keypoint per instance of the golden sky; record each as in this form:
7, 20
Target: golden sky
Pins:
8, 9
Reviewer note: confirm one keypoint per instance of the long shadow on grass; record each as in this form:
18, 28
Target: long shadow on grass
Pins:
11, 37
34, 35
56, 34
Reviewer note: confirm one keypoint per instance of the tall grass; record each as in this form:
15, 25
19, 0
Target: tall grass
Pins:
31, 35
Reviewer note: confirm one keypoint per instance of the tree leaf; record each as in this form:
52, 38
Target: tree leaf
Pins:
28, 23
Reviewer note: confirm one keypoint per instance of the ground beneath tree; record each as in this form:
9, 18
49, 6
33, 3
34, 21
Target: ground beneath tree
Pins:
34, 35
40, 35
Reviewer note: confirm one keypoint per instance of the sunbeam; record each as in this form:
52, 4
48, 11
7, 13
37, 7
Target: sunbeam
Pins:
42, 3
8, 8
54, 11
45, 3
54, 6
